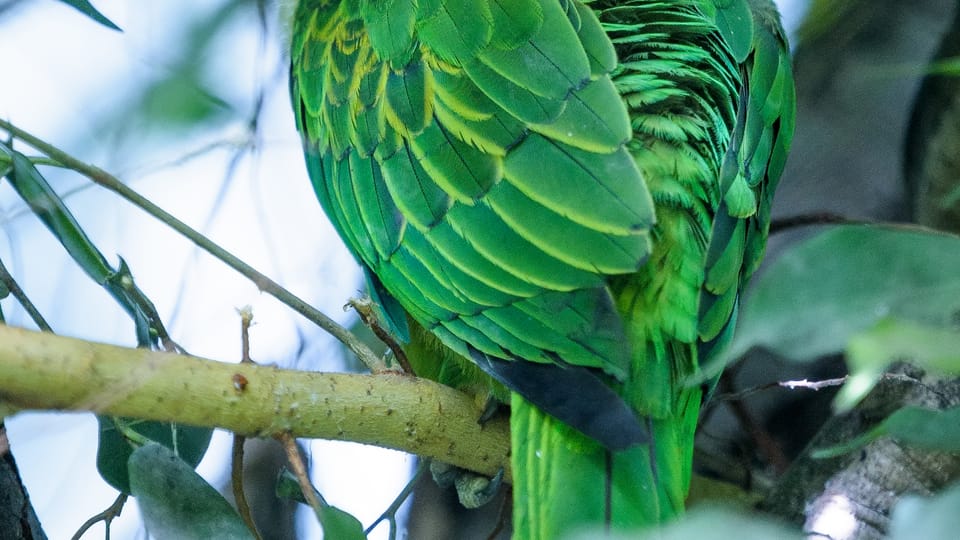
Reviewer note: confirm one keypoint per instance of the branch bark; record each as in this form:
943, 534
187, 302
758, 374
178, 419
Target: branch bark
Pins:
851, 496
17, 518
43, 371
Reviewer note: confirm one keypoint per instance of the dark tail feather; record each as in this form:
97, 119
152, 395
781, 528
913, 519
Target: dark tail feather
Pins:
574, 395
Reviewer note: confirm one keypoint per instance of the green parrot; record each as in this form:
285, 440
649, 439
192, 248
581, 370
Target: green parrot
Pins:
557, 202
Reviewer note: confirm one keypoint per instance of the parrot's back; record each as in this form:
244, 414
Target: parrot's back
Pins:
568, 194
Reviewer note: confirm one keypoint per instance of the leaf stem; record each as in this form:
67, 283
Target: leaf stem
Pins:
11, 284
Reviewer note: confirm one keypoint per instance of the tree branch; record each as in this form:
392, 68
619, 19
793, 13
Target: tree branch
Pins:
851, 496
43, 371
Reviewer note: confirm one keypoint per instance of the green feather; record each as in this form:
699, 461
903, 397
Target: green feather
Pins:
572, 243
383, 222
593, 120
459, 169
734, 20
455, 30
389, 23
600, 52
594, 190
515, 100
546, 64
467, 258
480, 226
408, 103
514, 22
420, 200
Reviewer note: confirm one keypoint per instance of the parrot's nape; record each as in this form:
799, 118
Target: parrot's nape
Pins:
556, 203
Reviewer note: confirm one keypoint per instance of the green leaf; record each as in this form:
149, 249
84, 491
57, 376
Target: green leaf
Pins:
820, 293
339, 524
176, 502
851, 445
931, 519
85, 7
289, 488
871, 352
926, 428
707, 522
34, 189
335, 522
116, 445
930, 429
47, 205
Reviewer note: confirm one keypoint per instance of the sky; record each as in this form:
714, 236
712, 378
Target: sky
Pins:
75, 83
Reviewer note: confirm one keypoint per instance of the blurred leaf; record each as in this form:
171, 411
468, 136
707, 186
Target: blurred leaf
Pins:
181, 99
926, 428
929, 429
944, 66
176, 502
335, 522
820, 293
716, 522
851, 445
871, 352
85, 7
183, 96
114, 449
927, 518
824, 15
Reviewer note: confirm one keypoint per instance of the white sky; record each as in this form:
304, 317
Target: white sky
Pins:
62, 74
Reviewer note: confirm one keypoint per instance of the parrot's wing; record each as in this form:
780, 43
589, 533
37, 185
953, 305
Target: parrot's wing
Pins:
753, 162
472, 155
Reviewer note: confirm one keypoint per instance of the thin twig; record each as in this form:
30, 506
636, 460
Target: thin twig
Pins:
265, 284
365, 311
11, 284
817, 218
107, 516
390, 514
246, 319
791, 385
236, 465
300, 470
766, 445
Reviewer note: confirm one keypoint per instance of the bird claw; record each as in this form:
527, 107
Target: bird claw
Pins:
473, 490
490, 409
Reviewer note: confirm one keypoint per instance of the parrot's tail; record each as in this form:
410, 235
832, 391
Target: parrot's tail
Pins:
566, 482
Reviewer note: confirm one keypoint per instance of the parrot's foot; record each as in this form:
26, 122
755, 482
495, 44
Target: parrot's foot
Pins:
473, 490
491, 408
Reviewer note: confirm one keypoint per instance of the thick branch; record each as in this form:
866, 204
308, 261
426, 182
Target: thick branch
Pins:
42, 371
